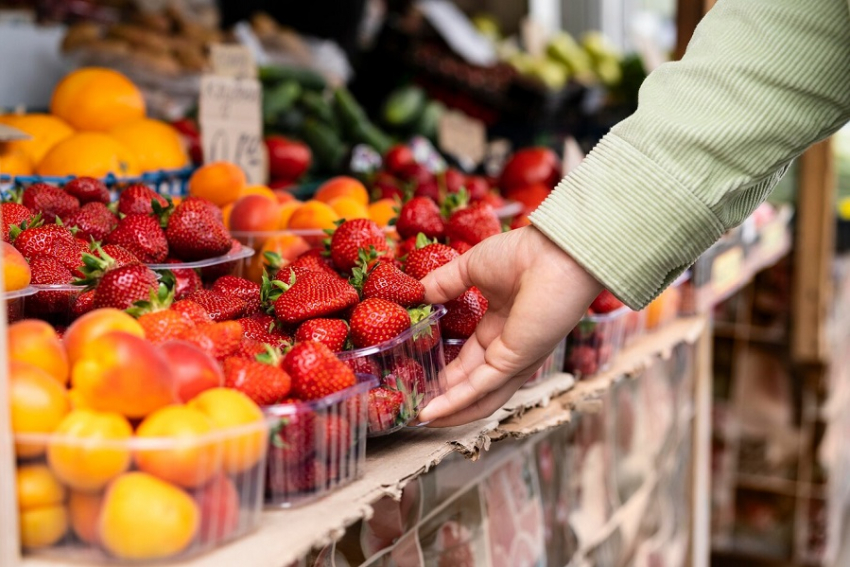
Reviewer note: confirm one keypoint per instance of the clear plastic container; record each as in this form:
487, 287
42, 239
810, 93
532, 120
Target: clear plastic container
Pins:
15, 301
313, 238
109, 501
634, 326
409, 368
594, 343
52, 302
230, 264
316, 447
553, 364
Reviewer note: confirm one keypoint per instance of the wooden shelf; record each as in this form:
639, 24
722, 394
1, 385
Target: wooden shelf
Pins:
286, 535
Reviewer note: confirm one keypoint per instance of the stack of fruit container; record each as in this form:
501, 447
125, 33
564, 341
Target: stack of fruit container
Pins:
598, 337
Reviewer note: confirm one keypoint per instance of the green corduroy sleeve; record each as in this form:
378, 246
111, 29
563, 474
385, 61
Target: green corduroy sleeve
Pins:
713, 134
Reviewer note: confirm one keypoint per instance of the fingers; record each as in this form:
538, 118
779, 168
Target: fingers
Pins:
449, 281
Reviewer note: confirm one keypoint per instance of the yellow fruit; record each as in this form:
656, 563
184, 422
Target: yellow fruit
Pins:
14, 161
155, 144
258, 190
37, 487
97, 99
221, 182
348, 208
41, 498
383, 211
90, 449
38, 402
43, 527
45, 130
313, 215
84, 511
90, 154
145, 518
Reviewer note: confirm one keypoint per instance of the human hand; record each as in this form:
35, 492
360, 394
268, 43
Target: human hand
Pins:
537, 294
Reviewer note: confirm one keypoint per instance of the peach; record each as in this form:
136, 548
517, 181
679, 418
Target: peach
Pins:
16, 271
284, 196
284, 213
36, 342
218, 503
84, 510
95, 324
254, 213
123, 373
192, 369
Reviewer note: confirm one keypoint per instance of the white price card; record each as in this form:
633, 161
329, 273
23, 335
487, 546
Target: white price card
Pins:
463, 137
232, 60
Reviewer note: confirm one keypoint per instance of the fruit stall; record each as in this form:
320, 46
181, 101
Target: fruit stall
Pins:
218, 345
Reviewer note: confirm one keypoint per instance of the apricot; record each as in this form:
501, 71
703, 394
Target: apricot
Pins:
38, 405
284, 213
254, 213
287, 246
342, 186
36, 342
84, 511
41, 501
95, 324
313, 215
349, 208
383, 211
16, 271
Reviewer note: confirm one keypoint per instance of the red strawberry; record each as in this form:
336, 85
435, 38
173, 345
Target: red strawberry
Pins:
220, 307
473, 224
408, 376
194, 311
463, 314
123, 286
246, 290
266, 384
451, 351
249, 350
425, 260
83, 304
50, 201
88, 190
40, 239
384, 408
316, 372
352, 236
47, 270
330, 332
292, 440
385, 281
165, 325
210, 206
363, 365
420, 214
13, 214
460, 246
142, 236
404, 248
194, 233
337, 433
138, 199
314, 260
219, 340
93, 220
264, 329
186, 280
605, 302
312, 295
120, 255
287, 481
479, 190
583, 360
375, 320
212, 273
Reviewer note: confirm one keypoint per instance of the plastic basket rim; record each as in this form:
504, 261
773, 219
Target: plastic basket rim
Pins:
365, 382
241, 254
19, 293
237, 234
437, 312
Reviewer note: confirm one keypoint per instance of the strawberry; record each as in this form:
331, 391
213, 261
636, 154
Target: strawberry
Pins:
186, 280
219, 340
337, 433
83, 304
212, 273
210, 206
463, 314
120, 255
165, 325
605, 302
88, 190
426, 334
330, 332
249, 350
138, 199
194, 232
197, 314
309, 296
121, 287
142, 236
292, 440
316, 372
384, 408
93, 221
375, 320
451, 351
246, 290
460, 246
264, 329
285, 481
220, 307
265, 383
100, 260
314, 260
352, 236
408, 376
404, 248
50, 201
363, 365
473, 224
428, 258
47, 270
385, 281
14, 214
583, 360
420, 214
40, 239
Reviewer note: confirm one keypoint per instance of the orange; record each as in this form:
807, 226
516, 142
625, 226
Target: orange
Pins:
155, 144
95, 324
84, 510
258, 190
41, 501
145, 518
220, 182
89, 154
342, 186
313, 215
383, 211
45, 130
16, 271
192, 460
288, 246
285, 213
14, 161
36, 342
90, 449
38, 404
348, 208
97, 99
230, 409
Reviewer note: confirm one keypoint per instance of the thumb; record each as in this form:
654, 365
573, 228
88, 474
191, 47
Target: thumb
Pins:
449, 281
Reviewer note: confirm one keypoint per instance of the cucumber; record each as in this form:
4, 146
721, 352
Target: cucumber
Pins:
404, 106
350, 112
367, 133
305, 77
429, 120
326, 144
280, 99
315, 105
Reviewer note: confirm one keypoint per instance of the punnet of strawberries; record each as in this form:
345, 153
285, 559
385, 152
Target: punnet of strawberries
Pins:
598, 337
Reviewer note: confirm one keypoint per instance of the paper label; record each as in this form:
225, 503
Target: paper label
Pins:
231, 60
231, 124
463, 137
726, 269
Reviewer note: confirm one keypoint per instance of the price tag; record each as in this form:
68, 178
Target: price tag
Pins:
573, 156
231, 124
232, 60
726, 269
463, 137
772, 238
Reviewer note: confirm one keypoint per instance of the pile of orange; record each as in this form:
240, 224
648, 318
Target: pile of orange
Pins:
139, 493
96, 126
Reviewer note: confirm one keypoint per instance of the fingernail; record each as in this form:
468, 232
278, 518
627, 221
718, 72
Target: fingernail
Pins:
423, 423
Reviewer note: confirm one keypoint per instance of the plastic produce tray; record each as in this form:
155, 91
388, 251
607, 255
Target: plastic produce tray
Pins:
594, 343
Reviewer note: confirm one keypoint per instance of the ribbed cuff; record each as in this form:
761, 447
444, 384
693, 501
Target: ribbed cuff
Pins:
629, 223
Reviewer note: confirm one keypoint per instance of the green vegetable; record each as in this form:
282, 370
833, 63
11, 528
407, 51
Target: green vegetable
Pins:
279, 99
429, 120
404, 106
349, 110
368, 133
315, 105
306, 78
325, 143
